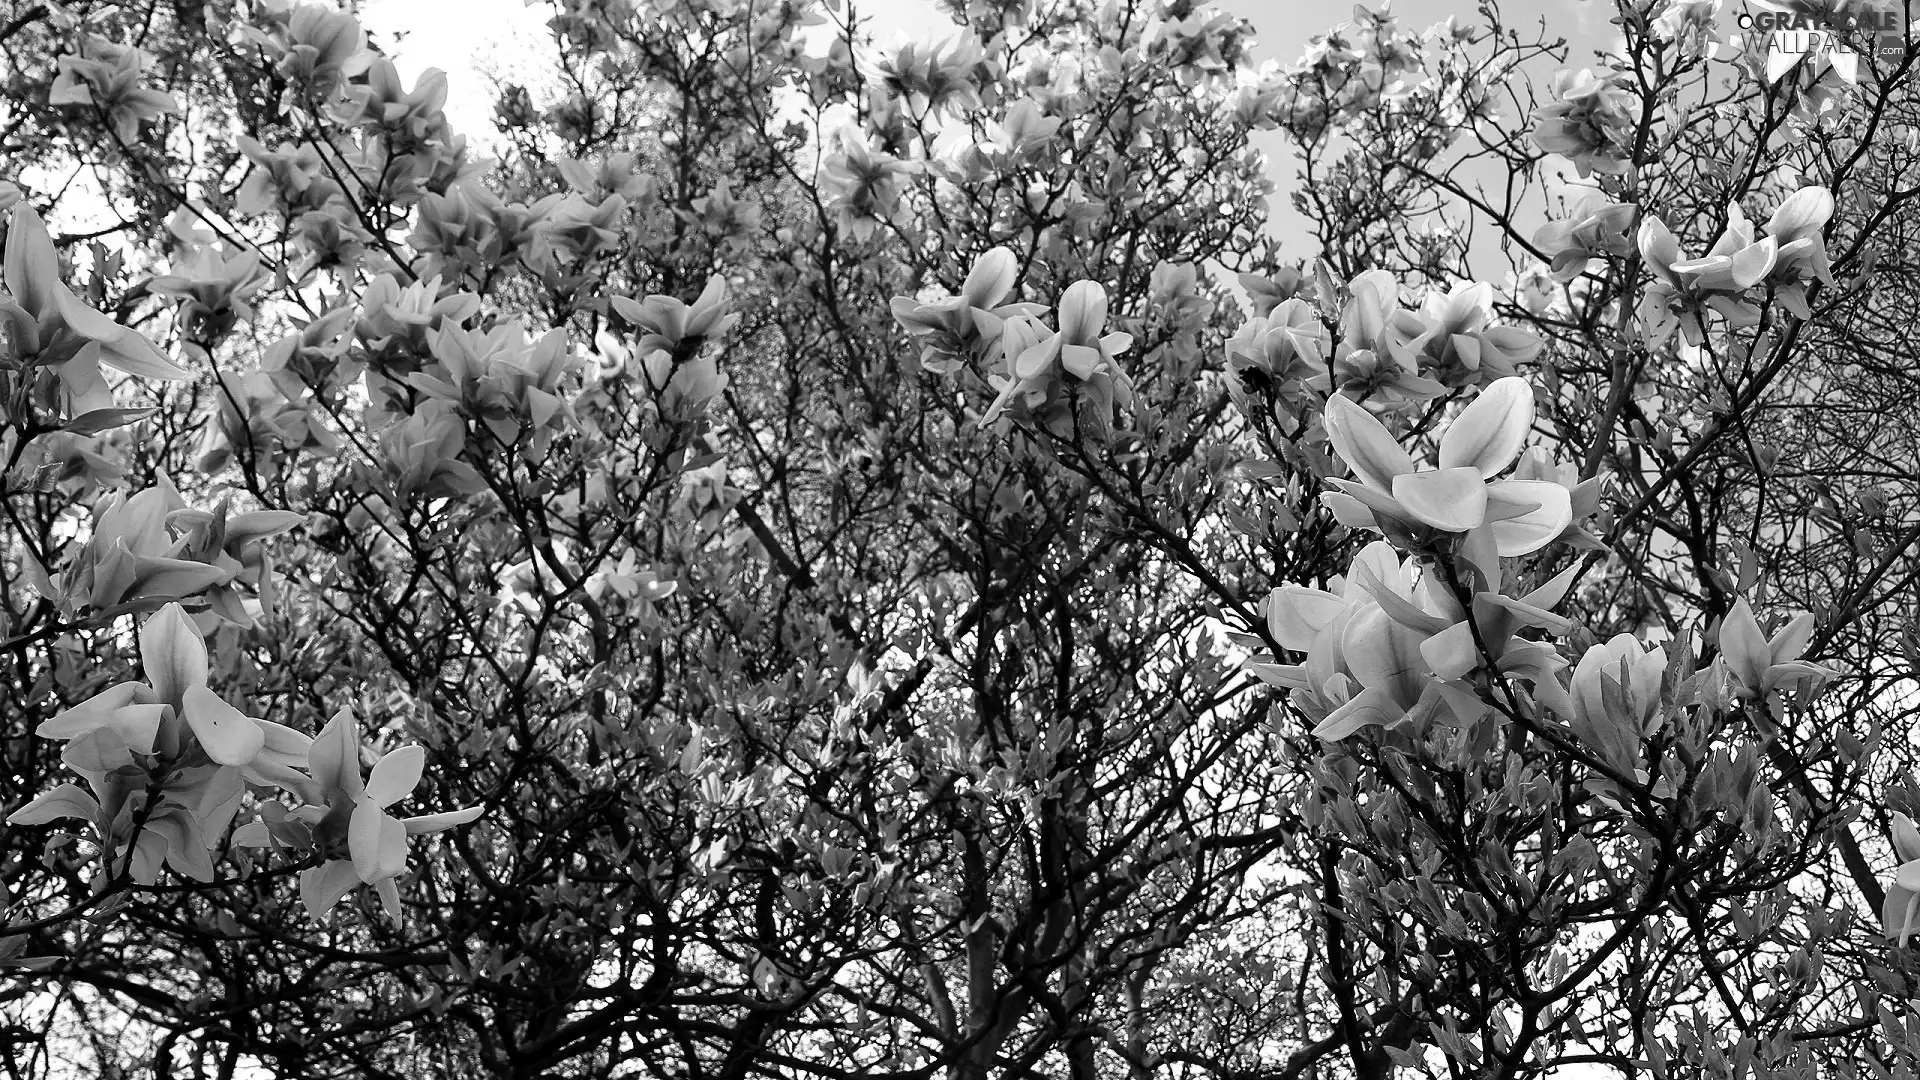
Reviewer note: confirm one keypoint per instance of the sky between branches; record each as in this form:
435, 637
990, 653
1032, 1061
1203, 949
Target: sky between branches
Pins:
476, 40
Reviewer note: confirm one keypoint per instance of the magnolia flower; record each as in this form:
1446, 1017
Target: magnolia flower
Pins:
1078, 350
666, 322
498, 377
862, 184
1364, 646
422, 455
375, 841
132, 735
1590, 121
946, 328
132, 556
214, 290
1574, 242
1635, 671
1760, 665
1280, 351
629, 581
107, 76
1900, 916
1024, 128
1461, 340
46, 318
1460, 495
932, 79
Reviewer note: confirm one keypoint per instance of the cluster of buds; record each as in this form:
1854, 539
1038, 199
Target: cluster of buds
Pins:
108, 77
1785, 258
1591, 121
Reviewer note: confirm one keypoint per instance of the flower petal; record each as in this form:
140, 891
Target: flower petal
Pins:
1296, 615
396, 774
364, 833
433, 823
1383, 654
334, 757
1747, 652
64, 801
1906, 838
1534, 529
322, 886
1451, 653
1791, 640
1370, 706
1452, 500
173, 654
1487, 434
229, 736
1369, 451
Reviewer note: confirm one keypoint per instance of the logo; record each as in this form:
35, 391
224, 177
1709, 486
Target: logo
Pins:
1839, 36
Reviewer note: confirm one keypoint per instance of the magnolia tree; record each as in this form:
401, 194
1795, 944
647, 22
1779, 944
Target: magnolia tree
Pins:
793, 558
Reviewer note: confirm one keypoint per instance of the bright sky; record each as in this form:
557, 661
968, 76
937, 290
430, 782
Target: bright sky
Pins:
475, 41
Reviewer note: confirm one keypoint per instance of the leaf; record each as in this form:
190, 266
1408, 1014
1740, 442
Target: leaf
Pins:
98, 420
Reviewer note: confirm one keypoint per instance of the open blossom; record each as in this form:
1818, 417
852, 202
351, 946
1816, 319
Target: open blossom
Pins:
1900, 917
214, 288
1049, 368
1460, 495
1760, 665
108, 77
173, 733
349, 817
1461, 346
949, 329
133, 556
44, 316
672, 348
862, 184
1279, 352
1590, 121
932, 78
1365, 664
1593, 231
1787, 254
1633, 671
